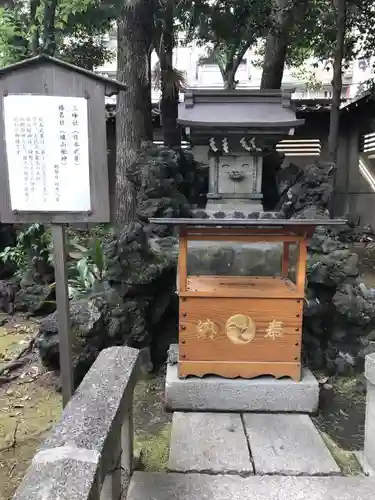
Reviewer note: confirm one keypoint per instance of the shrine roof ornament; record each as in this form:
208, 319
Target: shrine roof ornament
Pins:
262, 109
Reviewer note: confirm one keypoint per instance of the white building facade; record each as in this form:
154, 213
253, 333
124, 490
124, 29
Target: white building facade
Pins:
311, 82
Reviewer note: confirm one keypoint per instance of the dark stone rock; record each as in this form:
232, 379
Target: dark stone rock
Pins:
326, 395
288, 175
35, 300
160, 184
88, 338
333, 268
339, 318
271, 167
8, 291
356, 303
200, 214
305, 193
253, 215
7, 239
219, 215
166, 335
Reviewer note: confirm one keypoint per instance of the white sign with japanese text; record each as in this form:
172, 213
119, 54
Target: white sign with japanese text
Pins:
48, 153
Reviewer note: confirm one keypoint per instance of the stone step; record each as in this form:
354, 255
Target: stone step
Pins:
287, 445
261, 394
209, 442
175, 486
230, 443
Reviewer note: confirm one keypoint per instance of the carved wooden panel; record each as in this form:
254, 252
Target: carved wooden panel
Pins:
239, 330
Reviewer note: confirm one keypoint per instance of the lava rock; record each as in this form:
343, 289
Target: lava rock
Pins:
8, 238
87, 334
35, 300
8, 292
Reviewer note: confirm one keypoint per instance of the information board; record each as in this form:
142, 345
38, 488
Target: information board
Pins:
48, 153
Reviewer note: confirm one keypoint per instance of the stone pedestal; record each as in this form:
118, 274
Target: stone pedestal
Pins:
367, 459
217, 394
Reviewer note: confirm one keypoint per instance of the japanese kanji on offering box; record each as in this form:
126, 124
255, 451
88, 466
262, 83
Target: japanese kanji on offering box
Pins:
234, 319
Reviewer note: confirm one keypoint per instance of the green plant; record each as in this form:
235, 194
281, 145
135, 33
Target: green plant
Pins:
87, 266
33, 250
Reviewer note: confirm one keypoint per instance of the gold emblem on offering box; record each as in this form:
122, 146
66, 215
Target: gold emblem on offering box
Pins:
207, 329
274, 330
240, 329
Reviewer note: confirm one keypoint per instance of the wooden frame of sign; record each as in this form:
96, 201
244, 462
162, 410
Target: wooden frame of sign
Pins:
53, 161
37, 89
243, 326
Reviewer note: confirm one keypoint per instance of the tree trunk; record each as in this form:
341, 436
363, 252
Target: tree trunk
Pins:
276, 46
228, 75
333, 137
133, 114
169, 88
49, 44
34, 41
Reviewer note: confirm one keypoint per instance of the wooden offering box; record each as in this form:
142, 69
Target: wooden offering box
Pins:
240, 325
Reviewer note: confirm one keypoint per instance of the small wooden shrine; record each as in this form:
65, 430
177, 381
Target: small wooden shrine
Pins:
243, 326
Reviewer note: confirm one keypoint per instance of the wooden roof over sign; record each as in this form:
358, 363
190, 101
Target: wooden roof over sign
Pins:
111, 86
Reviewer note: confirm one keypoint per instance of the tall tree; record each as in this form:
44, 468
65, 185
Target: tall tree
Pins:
49, 27
69, 29
228, 29
166, 78
285, 15
133, 115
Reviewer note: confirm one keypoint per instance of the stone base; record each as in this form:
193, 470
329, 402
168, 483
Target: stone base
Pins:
229, 206
263, 394
177, 486
367, 469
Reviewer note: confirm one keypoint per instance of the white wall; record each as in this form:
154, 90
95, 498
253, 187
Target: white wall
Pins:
186, 59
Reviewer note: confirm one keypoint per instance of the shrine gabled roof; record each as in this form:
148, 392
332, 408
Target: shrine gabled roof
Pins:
237, 108
111, 86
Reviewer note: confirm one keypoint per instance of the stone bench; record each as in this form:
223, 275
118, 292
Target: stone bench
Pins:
89, 453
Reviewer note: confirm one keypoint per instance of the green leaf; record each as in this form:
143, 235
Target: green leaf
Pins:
83, 269
97, 256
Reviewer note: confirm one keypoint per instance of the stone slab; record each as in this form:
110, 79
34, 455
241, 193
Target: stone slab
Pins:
102, 397
288, 445
360, 456
263, 394
63, 479
175, 486
369, 445
209, 443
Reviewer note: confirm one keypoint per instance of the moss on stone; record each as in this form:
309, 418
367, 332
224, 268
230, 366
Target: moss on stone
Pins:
345, 459
153, 450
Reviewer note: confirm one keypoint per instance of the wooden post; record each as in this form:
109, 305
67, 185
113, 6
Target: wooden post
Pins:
301, 266
285, 261
182, 261
63, 315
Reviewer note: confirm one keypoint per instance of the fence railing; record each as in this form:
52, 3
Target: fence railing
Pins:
89, 453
